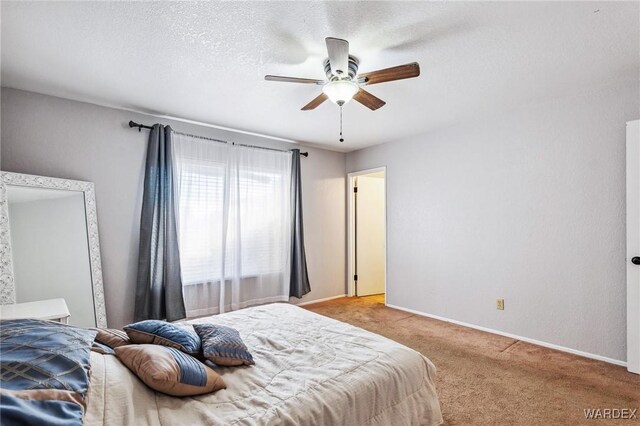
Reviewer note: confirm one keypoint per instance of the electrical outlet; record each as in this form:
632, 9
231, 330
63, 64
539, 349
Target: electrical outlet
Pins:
500, 304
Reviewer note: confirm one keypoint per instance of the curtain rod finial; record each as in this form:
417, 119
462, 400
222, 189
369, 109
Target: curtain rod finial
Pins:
134, 124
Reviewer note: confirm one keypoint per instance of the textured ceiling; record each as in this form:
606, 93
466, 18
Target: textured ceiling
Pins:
206, 61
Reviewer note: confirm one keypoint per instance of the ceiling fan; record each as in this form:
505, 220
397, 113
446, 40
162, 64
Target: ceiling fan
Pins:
343, 82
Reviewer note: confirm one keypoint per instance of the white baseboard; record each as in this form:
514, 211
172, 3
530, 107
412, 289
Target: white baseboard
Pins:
513, 336
310, 302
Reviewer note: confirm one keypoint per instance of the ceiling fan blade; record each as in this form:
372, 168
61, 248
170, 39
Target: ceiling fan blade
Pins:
338, 50
315, 102
368, 100
292, 79
390, 74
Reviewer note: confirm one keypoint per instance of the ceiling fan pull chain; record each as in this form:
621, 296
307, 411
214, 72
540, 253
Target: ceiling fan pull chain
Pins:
341, 138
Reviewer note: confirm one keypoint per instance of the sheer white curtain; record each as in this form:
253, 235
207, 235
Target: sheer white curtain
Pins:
234, 224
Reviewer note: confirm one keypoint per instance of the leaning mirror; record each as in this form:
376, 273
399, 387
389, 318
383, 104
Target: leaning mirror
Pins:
50, 253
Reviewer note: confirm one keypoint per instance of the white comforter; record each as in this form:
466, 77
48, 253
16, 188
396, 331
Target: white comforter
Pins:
310, 370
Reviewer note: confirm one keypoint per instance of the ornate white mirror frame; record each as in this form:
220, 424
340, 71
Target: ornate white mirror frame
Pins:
7, 281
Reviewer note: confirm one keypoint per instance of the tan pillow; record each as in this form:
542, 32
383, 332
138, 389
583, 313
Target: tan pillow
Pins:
112, 337
102, 349
169, 370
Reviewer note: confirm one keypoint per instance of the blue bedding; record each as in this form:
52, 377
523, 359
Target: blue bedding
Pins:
44, 372
18, 411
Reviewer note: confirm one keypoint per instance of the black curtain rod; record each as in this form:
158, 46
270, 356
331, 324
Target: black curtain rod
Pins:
133, 124
139, 126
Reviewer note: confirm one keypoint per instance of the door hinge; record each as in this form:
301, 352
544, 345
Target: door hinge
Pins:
355, 278
355, 189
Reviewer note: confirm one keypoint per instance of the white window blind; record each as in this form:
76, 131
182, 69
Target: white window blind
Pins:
201, 231
201, 237
233, 221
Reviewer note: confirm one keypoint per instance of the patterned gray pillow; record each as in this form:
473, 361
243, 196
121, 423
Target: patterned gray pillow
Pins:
223, 345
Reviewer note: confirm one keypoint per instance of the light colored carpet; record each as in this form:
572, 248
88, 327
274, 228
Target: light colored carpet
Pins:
486, 379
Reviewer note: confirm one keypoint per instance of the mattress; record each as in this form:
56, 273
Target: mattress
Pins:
310, 370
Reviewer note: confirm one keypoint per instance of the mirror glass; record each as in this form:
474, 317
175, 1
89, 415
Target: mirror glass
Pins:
50, 246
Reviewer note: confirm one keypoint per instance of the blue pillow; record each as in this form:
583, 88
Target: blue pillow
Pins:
44, 372
36, 354
223, 345
156, 332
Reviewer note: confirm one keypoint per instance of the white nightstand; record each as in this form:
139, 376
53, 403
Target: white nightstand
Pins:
52, 309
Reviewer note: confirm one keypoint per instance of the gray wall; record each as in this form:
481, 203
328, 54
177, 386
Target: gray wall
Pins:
56, 137
528, 206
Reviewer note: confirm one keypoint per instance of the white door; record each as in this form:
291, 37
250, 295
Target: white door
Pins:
633, 246
370, 238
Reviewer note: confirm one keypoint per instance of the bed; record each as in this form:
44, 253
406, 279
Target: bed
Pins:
310, 370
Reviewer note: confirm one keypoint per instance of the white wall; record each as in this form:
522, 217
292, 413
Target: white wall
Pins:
528, 206
56, 137
324, 214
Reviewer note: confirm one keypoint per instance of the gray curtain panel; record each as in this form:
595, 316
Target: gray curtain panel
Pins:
299, 277
159, 290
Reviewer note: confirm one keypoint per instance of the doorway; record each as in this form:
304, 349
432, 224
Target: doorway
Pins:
633, 246
367, 253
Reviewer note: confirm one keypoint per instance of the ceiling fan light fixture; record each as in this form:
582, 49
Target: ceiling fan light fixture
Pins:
340, 91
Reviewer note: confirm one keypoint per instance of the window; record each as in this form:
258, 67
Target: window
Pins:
201, 222
233, 213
